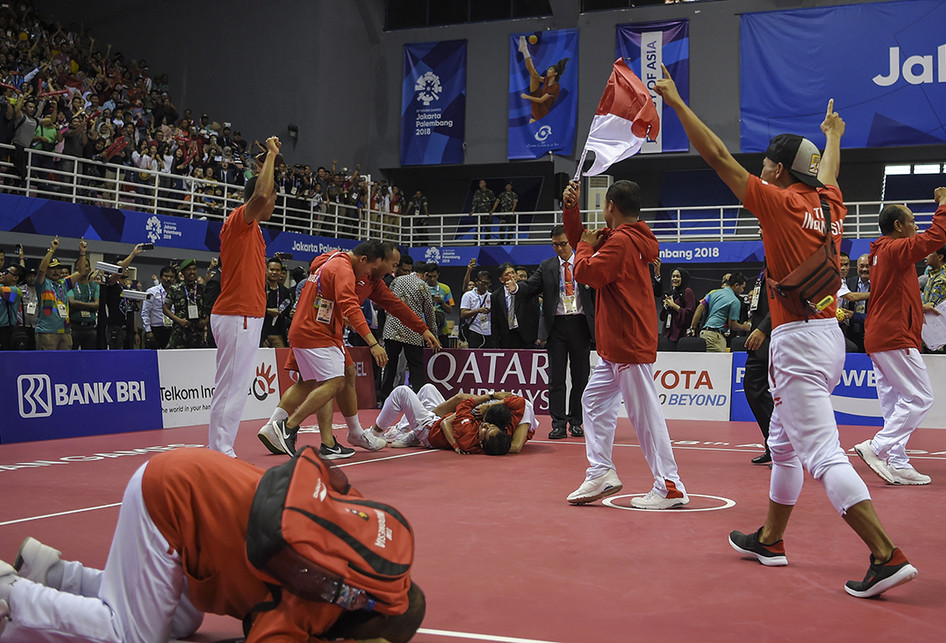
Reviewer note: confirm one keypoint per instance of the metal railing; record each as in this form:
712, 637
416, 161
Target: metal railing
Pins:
57, 176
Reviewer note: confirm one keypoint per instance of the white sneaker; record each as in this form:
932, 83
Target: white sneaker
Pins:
908, 475
368, 440
405, 440
653, 500
596, 489
392, 434
870, 458
273, 439
34, 560
8, 576
4, 614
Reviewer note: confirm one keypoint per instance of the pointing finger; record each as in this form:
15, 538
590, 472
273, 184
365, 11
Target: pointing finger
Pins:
830, 107
666, 73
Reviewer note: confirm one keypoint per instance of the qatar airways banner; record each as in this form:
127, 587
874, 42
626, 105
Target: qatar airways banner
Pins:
645, 47
433, 102
689, 386
884, 64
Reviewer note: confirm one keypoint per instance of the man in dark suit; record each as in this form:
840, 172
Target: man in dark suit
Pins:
568, 313
519, 328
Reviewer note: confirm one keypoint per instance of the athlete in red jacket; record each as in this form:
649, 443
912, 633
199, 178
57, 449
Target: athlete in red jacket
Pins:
614, 261
892, 338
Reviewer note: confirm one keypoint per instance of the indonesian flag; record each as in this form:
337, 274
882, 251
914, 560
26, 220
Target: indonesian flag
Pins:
625, 117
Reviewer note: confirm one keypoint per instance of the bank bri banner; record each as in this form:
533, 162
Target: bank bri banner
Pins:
884, 64
644, 47
433, 102
543, 93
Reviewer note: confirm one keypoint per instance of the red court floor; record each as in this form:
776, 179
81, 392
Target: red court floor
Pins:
502, 556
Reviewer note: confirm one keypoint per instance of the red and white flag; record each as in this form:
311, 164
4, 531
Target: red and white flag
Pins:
625, 117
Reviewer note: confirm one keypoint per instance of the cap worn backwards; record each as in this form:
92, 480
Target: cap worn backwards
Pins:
800, 156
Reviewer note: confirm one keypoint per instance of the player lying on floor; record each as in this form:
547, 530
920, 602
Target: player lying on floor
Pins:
493, 424
179, 550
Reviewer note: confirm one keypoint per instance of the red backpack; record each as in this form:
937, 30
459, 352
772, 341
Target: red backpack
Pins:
319, 539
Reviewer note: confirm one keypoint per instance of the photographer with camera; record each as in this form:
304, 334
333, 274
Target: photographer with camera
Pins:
113, 308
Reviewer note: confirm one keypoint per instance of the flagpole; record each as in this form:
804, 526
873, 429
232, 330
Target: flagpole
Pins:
581, 164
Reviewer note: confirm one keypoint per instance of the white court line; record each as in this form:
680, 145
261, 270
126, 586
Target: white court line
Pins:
61, 513
390, 457
118, 504
479, 637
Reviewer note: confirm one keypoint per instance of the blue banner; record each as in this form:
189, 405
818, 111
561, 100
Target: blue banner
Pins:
644, 47
543, 93
854, 398
70, 220
433, 102
65, 394
884, 64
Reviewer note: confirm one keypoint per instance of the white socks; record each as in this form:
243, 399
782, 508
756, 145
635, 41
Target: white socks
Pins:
279, 414
354, 426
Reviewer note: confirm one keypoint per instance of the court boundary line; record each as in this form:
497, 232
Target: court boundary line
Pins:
480, 637
59, 513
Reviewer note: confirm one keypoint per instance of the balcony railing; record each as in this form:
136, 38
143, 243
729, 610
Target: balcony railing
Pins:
60, 177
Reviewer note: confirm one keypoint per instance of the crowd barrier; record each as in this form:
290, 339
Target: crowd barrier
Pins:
76, 393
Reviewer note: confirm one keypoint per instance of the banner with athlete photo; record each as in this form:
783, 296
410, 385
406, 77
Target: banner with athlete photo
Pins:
883, 63
644, 46
433, 102
543, 93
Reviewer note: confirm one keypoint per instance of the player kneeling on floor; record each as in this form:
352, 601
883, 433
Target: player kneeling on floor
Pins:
183, 546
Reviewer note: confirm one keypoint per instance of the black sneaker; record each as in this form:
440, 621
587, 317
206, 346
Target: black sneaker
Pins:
280, 439
765, 458
770, 555
337, 452
882, 576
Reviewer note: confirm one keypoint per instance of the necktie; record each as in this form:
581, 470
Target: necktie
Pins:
569, 283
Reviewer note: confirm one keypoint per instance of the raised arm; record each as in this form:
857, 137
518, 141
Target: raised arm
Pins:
44, 263
261, 204
704, 140
833, 128
82, 264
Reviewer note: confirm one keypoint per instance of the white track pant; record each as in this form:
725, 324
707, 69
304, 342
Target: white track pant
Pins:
600, 404
140, 596
417, 409
906, 395
805, 364
237, 340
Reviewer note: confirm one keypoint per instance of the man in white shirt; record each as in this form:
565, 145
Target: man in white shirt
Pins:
157, 326
475, 312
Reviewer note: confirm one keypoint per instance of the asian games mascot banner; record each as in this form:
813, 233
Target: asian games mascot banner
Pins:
644, 47
543, 93
883, 63
433, 103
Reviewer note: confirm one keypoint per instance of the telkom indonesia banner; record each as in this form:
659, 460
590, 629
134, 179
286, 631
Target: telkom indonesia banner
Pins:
644, 47
433, 102
543, 93
187, 385
884, 64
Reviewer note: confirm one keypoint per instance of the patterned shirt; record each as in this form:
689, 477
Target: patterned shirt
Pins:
483, 200
51, 295
415, 293
446, 297
935, 290
179, 299
9, 302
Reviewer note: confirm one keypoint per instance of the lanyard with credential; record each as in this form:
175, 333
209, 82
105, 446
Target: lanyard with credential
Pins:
318, 277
